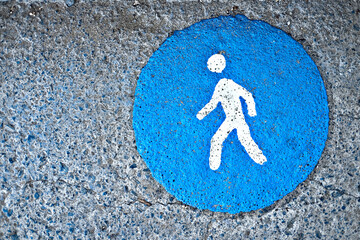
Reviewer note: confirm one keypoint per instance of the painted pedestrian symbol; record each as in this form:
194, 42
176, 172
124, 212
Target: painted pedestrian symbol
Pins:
228, 93
230, 132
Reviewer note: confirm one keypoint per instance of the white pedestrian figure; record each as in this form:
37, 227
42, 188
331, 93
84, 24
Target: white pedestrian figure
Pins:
228, 93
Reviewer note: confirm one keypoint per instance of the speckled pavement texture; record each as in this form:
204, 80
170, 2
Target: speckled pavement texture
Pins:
69, 167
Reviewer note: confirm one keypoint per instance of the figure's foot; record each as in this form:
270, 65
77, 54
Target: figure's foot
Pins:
260, 159
214, 162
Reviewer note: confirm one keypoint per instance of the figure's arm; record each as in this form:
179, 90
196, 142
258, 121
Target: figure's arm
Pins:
208, 108
250, 102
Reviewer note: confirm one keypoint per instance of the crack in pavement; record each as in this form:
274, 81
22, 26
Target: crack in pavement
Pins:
208, 226
343, 192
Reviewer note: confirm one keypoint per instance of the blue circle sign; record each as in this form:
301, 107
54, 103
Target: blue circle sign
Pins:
230, 114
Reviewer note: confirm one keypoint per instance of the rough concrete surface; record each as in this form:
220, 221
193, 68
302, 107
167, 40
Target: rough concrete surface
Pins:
69, 166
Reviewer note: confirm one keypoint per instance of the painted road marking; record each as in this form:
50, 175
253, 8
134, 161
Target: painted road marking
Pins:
282, 116
228, 93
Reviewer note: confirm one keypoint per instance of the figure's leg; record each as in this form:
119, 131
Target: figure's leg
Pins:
249, 144
216, 144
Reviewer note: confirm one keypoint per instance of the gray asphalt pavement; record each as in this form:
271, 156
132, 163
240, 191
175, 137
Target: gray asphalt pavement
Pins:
69, 167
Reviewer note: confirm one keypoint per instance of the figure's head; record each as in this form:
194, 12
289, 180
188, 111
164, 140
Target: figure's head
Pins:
216, 63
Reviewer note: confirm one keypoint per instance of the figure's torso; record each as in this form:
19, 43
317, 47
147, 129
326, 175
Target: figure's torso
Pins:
229, 96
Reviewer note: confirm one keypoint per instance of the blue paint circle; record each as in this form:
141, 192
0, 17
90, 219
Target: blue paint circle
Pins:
290, 127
